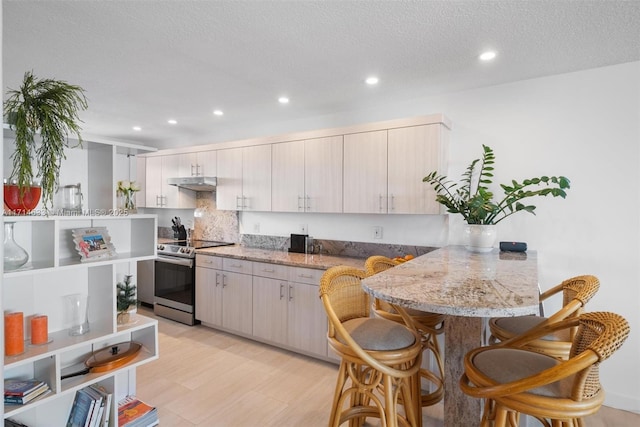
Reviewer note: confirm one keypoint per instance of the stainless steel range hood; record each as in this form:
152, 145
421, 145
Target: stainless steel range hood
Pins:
195, 183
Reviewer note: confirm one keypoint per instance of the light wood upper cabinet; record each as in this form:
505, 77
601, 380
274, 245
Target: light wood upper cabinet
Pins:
229, 187
384, 169
307, 175
323, 174
244, 178
158, 193
201, 163
413, 152
206, 163
287, 164
187, 165
365, 172
256, 178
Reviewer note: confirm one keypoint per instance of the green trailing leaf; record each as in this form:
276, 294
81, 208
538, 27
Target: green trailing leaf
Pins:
476, 203
50, 108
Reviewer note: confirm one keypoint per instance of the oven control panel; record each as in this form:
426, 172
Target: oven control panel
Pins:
175, 250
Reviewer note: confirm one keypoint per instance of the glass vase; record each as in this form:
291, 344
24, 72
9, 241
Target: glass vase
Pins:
127, 201
14, 255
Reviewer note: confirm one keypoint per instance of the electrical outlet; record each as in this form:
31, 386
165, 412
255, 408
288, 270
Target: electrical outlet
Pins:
377, 232
304, 229
256, 227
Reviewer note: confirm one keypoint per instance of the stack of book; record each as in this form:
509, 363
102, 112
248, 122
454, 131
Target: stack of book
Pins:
91, 407
19, 392
133, 412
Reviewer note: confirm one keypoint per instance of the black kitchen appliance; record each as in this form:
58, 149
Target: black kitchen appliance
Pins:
175, 277
298, 243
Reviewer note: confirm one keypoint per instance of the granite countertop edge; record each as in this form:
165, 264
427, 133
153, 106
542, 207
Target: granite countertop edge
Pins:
315, 261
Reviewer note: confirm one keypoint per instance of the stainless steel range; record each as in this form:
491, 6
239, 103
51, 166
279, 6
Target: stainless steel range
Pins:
175, 273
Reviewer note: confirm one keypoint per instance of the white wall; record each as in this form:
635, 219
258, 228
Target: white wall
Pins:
584, 125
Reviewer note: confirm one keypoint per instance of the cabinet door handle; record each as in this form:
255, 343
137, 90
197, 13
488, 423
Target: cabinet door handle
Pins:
300, 208
192, 171
307, 203
164, 200
239, 202
268, 270
393, 206
198, 173
224, 280
236, 265
158, 200
281, 290
305, 276
380, 203
217, 279
290, 292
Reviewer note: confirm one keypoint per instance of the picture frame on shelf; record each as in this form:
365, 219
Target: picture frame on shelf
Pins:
93, 243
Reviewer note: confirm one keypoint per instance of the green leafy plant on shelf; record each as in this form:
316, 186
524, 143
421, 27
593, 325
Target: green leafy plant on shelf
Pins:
472, 198
50, 108
126, 298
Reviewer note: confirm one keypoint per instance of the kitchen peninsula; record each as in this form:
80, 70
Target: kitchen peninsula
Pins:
467, 287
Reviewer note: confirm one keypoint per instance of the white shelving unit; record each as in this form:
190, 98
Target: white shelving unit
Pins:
55, 269
38, 288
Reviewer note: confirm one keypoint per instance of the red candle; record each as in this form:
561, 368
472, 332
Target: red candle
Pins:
39, 329
13, 333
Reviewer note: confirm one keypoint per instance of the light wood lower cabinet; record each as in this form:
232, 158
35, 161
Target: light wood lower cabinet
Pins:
307, 321
237, 303
223, 297
287, 310
276, 304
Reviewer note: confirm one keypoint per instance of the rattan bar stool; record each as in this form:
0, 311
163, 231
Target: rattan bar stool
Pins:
576, 292
559, 393
428, 325
380, 359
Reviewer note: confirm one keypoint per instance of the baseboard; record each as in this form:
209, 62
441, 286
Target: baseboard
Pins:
619, 401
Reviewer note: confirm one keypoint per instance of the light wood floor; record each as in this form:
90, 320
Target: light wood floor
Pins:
208, 378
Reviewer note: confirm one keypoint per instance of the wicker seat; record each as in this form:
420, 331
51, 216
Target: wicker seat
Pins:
380, 359
559, 393
429, 325
576, 292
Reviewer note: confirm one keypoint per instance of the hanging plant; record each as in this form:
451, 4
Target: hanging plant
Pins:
50, 108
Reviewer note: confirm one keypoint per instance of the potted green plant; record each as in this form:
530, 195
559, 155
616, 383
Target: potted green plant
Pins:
49, 108
472, 198
126, 298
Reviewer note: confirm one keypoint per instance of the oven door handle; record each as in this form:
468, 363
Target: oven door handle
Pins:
186, 262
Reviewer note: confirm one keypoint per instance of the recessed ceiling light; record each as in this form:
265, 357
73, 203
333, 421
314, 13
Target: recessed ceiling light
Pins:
218, 112
371, 80
137, 128
172, 122
283, 100
488, 55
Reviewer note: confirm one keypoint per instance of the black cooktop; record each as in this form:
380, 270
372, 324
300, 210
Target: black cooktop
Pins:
202, 244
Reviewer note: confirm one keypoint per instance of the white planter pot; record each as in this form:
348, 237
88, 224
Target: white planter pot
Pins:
479, 237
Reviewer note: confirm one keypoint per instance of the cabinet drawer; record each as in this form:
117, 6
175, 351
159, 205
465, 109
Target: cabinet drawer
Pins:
237, 265
309, 276
208, 261
272, 271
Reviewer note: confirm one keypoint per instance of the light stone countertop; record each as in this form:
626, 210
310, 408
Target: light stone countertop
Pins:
457, 282
466, 287
316, 261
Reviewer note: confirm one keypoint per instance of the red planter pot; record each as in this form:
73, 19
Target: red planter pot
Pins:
21, 205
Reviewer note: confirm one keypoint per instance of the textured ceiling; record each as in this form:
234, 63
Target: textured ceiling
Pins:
143, 62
